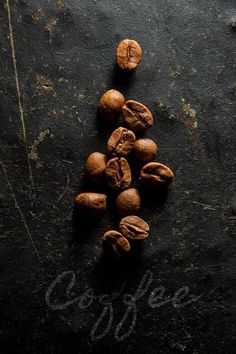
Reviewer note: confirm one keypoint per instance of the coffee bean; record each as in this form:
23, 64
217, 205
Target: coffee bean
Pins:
110, 104
128, 54
137, 116
145, 149
156, 175
121, 142
91, 203
128, 202
95, 167
134, 228
118, 173
115, 244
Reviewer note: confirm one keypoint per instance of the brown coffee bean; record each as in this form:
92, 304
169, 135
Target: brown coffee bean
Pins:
128, 202
115, 244
118, 173
110, 104
156, 175
137, 116
95, 167
134, 228
121, 142
91, 203
128, 54
145, 149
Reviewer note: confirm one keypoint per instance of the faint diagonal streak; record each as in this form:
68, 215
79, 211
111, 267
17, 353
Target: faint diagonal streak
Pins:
21, 110
17, 206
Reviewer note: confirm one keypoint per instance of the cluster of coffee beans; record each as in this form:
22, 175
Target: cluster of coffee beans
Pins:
114, 167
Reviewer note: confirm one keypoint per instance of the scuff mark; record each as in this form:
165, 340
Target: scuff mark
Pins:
33, 155
49, 28
66, 188
61, 3
190, 114
37, 15
44, 84
205, 206
186, 114
164, 111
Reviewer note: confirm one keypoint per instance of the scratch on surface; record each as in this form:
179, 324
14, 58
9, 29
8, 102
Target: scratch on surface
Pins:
174, 149
65, 189
33, 155
230, 217
5, 235
21, 110
191, 268
205, 206
213, 290
20, 212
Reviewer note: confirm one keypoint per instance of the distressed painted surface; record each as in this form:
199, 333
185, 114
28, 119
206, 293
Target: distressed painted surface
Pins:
57, 58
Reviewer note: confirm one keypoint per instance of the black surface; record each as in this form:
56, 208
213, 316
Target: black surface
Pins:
61, 55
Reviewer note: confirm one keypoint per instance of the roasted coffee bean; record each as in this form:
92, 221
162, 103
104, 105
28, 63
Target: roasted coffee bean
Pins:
128, 54
91, 203
115, 244
95, 167
145, 149
118, 173
137, 116
121, 142
134, 228
128, 202
110, 104
156, 175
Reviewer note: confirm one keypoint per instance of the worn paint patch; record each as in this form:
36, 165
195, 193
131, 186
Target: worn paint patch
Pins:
190, 114
44, 84
49, 28
33, 155
37, 15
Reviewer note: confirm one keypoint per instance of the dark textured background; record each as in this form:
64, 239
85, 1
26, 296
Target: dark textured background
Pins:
57, 58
